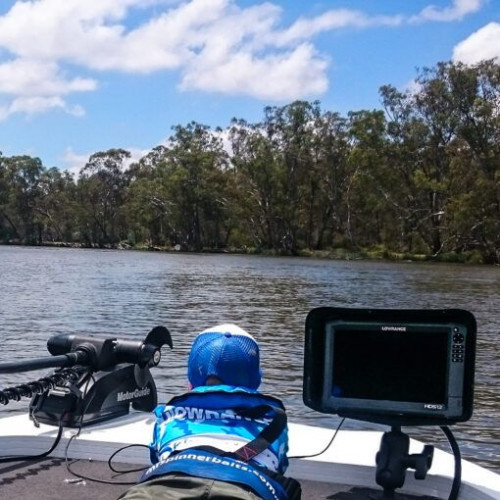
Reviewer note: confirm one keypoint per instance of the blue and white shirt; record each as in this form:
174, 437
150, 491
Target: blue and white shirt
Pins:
205, 417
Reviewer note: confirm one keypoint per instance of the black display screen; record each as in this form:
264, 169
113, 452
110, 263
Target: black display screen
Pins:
407, 366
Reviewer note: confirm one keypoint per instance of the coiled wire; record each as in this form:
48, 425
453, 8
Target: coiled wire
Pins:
38, 386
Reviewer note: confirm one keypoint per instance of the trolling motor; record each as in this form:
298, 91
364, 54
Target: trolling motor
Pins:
106, 377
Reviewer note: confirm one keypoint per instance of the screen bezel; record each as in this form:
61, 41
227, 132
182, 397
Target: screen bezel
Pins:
398, 404
318, 368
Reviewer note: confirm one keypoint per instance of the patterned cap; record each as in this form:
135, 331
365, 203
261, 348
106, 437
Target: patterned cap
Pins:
228, 353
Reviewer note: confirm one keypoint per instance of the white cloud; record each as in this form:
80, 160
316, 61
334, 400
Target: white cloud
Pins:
413, 87
279, 76
73, 162
48, 48
458, 10
31, 77
304, 29
135, 155
224, 136
31, 105
4, 113
37, 104
483, 44
217, 47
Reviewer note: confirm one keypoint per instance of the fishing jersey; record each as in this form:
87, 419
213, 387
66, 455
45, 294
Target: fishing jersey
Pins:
208, 416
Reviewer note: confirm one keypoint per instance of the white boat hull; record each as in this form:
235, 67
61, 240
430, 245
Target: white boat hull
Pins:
350, 460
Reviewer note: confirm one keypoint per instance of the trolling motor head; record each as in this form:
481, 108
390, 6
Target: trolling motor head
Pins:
100, 354
111, 376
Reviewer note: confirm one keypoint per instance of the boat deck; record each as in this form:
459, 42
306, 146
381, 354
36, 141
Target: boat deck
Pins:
49, 479
345, 471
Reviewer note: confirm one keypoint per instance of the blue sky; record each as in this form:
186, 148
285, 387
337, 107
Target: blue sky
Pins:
81, 76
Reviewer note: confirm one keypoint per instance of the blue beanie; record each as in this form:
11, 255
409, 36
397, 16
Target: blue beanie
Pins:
228, 353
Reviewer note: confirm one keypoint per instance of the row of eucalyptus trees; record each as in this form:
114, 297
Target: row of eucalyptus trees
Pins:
420, 175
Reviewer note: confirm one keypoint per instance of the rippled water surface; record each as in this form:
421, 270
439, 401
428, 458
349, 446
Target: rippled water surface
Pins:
124, 294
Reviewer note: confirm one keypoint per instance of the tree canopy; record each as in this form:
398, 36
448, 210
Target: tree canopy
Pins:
420, 176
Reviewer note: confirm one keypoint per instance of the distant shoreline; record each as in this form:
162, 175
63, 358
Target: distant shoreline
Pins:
468, 258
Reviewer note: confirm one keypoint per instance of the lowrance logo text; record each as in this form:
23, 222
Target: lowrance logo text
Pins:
394, 328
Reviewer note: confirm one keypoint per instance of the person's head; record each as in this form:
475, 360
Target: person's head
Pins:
225, 354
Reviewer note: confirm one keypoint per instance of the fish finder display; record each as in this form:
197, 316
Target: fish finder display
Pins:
399, 367
382, 364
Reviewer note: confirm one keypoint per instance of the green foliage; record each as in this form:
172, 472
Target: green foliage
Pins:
101, 193
417, 180
19, 199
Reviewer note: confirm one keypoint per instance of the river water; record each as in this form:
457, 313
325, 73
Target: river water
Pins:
47, 291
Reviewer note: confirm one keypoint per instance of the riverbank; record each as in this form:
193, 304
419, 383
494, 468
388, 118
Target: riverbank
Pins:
379, 253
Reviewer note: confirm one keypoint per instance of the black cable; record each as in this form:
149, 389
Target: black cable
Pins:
19, 458
110, 459
39, 386
77, 433
327, 446
95, 479
457, 478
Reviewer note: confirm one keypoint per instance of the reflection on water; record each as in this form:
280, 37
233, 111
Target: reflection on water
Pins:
124, 294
